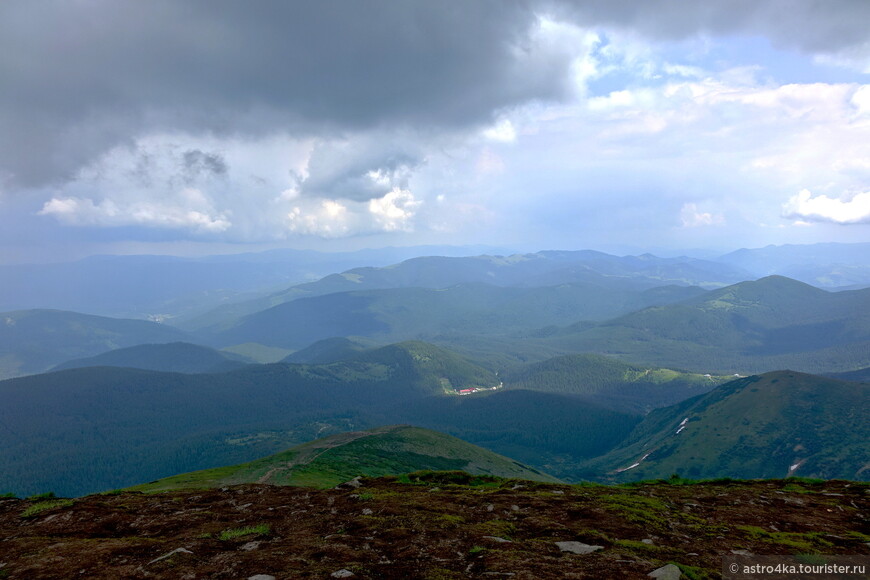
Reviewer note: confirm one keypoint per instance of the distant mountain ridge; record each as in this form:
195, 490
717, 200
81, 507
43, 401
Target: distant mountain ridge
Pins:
33, 341
831, 265
139, 286
546, 268
395, 314
774, 322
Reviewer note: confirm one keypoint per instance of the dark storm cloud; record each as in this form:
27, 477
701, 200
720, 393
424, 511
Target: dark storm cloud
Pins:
361, 168
200, 163
81, 77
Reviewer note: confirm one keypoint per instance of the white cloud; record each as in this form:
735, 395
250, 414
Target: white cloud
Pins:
326, 219
331, 218
861, 99
503, 131
821, 208
691, 217
194, 213
395, 210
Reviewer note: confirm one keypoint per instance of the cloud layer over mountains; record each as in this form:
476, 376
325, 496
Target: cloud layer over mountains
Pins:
240, 122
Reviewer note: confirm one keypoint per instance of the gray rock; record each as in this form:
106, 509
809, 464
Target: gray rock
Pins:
497, 539
367, 512
250, 546
261, 577
343, 573
742, 552
578, 547
669, 572
354, 483
647, 541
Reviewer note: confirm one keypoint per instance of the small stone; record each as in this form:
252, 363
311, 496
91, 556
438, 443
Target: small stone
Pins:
343, 573
489, 507
646, 541
261, 577
367, 512
435, 489
742, 552
669, 572
558, 492
515, 508
250, 546
578, 547
497, 539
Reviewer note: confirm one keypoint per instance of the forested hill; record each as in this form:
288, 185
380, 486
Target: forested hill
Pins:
33, 341
179, 357
95, 428
774, 425
768, 324
620, 385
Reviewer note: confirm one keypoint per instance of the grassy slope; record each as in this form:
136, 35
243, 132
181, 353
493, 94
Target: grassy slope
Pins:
760, 426
382, 451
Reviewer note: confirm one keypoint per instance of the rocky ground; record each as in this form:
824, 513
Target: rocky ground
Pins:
444, 526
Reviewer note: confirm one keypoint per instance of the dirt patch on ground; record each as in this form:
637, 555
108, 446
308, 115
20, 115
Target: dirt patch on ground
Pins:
433, 529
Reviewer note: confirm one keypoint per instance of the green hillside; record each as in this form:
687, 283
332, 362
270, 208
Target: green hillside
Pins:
430, 367
177, 357
33, 341
624, 386
774, 425
338, 458
756, 326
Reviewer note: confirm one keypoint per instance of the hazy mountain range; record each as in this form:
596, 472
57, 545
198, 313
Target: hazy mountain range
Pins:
576, 364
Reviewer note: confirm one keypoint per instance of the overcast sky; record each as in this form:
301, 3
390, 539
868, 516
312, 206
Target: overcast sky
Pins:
204, 125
